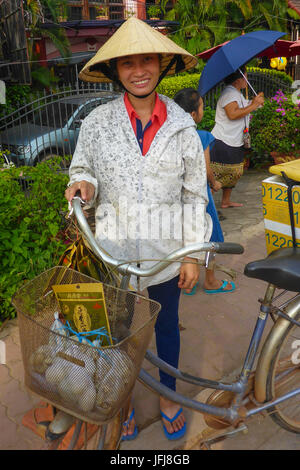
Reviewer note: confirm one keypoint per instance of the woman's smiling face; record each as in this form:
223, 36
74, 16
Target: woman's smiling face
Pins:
139, 73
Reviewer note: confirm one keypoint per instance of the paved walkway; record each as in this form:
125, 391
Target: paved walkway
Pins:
215, 332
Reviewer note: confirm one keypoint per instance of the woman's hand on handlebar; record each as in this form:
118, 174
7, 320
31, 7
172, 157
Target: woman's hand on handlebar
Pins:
86, 189
189, 274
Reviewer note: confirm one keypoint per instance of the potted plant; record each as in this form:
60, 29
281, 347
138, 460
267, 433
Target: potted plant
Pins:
62, 14
274, 129
102, 12
154, 11
129, 13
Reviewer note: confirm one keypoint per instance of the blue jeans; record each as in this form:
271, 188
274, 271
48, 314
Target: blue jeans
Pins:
167, 326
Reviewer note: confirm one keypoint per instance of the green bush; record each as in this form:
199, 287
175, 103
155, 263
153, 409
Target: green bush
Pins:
275, 127
208, 120
169, 86
31, 224
15, 94
272, 73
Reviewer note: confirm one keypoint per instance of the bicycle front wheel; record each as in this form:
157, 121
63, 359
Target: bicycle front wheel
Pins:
283, 377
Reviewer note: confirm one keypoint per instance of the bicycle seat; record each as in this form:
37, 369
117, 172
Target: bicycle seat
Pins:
281, 268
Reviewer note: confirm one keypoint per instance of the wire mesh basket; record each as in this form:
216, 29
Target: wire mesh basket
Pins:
90, 383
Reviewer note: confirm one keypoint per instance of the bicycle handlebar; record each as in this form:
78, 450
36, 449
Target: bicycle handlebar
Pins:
125, 266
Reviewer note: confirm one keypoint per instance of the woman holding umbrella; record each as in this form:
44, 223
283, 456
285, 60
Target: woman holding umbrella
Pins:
141, 151
227, 63
232, 119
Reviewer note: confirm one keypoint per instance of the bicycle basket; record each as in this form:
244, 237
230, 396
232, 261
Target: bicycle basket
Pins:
89, 383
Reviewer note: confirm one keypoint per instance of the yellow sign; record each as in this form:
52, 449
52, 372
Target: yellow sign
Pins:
83, 306
276, 240
276, 213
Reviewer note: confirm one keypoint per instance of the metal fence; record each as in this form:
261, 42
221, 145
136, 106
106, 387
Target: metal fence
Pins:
50, 124
266, 82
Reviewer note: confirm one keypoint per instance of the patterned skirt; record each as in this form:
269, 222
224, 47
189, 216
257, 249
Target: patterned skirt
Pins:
228, 174
227, 163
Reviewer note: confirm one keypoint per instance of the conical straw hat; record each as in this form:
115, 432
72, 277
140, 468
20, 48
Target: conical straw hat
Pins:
136, 37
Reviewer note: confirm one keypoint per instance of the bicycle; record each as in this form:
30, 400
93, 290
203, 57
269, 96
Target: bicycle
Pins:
272, 387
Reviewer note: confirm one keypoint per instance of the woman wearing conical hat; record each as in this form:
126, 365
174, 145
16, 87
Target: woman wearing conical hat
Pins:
140, 161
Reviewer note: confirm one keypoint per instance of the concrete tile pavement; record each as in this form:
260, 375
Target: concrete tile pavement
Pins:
215, 335
215, 332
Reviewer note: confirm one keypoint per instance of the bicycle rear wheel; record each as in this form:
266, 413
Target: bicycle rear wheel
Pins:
283, 377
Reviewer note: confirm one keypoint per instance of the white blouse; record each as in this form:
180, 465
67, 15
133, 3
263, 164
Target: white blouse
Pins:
228, 130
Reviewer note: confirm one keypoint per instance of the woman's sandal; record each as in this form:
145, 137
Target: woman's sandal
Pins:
193, 291
221, 289
130, 437
176, 434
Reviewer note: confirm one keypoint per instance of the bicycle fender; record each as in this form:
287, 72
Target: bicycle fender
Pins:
271, 344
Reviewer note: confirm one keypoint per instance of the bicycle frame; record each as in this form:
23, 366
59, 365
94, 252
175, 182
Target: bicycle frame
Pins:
235, 413
239, 387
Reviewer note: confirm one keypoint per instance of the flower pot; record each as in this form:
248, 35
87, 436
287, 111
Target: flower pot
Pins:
284, 157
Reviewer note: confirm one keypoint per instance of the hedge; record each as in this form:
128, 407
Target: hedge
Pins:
169, 86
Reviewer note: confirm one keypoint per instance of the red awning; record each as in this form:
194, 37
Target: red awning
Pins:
296, 48
281, 48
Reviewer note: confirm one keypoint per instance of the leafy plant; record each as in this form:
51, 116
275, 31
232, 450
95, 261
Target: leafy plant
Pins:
272, 73
169, 86
206, 23
275, 126
154, 11
32, 207
208, 121
44, 77
34, 14
16, 95
102, 10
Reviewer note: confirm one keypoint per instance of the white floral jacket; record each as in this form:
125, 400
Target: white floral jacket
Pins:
146, 206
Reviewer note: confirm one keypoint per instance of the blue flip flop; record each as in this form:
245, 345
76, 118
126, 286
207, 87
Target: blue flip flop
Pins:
221, 289
177, 434
130, 437
193, 291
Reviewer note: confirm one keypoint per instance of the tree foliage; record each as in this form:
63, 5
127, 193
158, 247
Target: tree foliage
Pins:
35, 13
206, 23
32, 225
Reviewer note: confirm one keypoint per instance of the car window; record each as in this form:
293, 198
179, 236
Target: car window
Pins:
84, 112
55, 114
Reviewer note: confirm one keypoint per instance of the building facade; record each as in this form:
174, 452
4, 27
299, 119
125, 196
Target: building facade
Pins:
88, 24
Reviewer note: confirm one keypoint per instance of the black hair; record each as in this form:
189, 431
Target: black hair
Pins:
188, 99
235, 76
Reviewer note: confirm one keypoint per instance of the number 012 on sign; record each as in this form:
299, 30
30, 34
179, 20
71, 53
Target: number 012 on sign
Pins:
276, 213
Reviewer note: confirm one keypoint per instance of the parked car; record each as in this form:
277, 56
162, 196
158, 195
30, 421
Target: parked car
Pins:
48, 130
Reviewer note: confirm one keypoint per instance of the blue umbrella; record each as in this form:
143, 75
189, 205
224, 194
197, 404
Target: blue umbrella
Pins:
230, 57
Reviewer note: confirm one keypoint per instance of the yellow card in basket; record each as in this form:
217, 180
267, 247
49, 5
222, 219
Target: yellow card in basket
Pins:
83, 306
